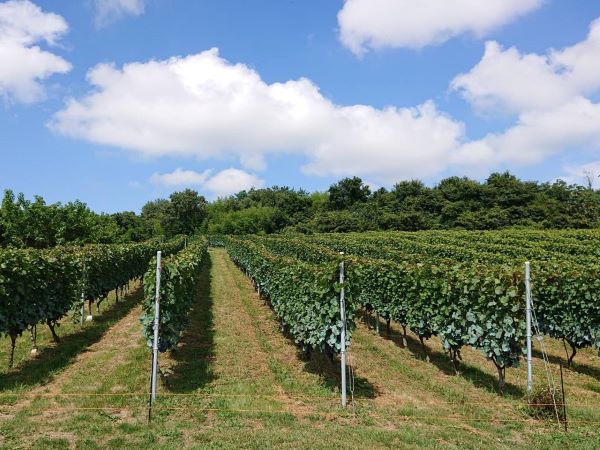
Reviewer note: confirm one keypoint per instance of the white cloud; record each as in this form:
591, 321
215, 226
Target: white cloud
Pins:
109, 11
507, 81
22, 63
388, 145
375, 24
549, 94
510, 81
580, 64
231, 181
225, 182
180, 177
202, 106
538, 134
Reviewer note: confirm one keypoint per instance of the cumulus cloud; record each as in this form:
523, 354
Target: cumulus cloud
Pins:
109, 11
550, 95
180, 177
508, 80
225, 182
538, 134
580, 64
230, 181
23, 64
375, 24
203, 106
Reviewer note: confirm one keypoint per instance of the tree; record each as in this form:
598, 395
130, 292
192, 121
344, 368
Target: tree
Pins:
36, 224
590, 178
11, 217
455, 189
254, 220
185, 213
131, 227
347, 192
338, 222
407, 189
154, 215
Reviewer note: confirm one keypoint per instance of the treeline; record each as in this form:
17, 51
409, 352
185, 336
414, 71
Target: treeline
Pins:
455, 203
36, 224
501, 201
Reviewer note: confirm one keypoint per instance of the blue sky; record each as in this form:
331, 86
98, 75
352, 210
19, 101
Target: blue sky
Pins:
117, 102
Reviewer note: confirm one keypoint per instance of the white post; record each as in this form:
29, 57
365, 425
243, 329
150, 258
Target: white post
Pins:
343, 334
83, 297
156, 325
377, 321
528, 320
82, 306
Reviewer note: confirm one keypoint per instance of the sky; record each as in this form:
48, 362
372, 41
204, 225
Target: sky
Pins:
118, 102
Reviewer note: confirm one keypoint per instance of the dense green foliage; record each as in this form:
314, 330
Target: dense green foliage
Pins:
464, 290
41, 286
455, 203
178, 283
501, 201
35, 224
565, 271
304, 295
35, 287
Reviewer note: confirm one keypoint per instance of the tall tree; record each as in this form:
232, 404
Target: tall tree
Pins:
347, 192
185, 213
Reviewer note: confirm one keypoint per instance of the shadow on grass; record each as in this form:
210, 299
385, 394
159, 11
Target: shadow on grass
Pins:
583, 369
327, 367
195, 352
329, 370
443, 362
58, 356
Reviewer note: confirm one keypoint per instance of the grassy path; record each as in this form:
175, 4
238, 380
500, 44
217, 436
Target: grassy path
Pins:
236, 382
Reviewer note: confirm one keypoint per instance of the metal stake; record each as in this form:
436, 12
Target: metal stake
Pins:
82, 298
82, 307
564, 398
528, 320
343, 333
156, 325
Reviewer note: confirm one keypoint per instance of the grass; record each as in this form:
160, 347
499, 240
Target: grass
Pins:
236, 382
51, 358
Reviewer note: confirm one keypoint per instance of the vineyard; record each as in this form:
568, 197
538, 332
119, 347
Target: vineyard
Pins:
258, 346
42, 286
466, 288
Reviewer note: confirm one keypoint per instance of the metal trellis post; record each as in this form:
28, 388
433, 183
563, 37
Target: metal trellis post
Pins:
343, 332
156, 325
528, 321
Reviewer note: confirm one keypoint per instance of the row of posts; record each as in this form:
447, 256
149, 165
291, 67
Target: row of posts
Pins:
343, 331
342, 334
